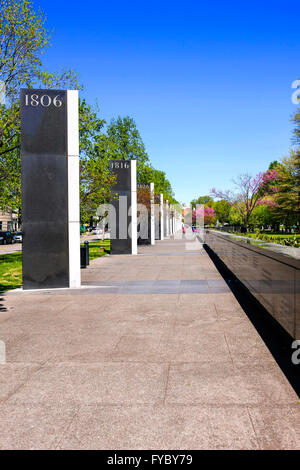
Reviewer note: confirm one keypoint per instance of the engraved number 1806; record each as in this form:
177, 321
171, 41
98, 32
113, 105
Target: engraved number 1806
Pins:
44, 100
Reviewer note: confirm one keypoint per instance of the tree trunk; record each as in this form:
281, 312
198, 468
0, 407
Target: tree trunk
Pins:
19, 219
103, 228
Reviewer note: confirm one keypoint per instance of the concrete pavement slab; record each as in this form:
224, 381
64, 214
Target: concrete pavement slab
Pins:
220, 382
106, 383
30, 427
14, 376
160, 427
277, 427
138, 358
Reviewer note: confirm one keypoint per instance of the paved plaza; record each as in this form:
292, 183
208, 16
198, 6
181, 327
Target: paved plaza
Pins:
153, 352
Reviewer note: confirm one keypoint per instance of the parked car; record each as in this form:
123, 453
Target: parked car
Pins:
97, 231
6, 238
18, 238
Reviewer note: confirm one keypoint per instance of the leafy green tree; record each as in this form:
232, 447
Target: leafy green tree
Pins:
296, 131
23, 40
275, 165
222, 210
162, 185
262, 215
126, 141
287, 197
235, 217
95, 152
121, 141
205, 200
249, 192
283, 205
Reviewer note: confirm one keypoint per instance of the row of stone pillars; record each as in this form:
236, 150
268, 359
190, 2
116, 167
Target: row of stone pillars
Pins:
137, 215
50, 194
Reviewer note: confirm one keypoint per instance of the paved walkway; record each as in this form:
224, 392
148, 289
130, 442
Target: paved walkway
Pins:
13, 248
141, 358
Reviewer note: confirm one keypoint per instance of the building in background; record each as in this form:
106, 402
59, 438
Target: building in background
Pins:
8, 221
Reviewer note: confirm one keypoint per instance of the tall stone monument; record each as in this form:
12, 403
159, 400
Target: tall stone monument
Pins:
50, 188
159, 216
123, 208
146, 219
167, 219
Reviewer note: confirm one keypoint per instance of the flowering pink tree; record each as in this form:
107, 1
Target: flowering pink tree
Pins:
250, 192
208, 212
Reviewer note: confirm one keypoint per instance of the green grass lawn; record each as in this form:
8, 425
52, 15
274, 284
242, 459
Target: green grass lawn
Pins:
11, 265
287, 239
280, 235
10, 271
94, 248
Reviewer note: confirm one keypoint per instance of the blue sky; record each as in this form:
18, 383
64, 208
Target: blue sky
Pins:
208, 83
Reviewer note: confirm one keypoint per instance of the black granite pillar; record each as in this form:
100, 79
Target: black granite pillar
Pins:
122, 214
48, 175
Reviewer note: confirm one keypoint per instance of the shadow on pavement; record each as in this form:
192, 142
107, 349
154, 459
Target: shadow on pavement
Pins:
275, 337
2, 308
